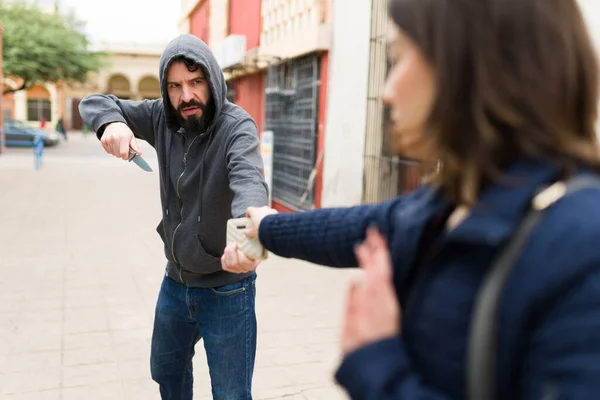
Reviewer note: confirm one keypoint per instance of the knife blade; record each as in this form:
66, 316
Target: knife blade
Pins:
138, 160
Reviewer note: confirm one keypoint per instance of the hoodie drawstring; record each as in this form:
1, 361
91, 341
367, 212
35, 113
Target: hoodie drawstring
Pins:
209, 141
167, 178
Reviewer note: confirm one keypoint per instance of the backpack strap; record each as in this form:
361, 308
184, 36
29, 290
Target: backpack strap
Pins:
483, 331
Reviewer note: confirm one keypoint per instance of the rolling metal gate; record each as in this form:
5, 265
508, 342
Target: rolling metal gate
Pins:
291, 112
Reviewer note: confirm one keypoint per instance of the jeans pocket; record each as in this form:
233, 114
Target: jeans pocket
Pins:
235, 287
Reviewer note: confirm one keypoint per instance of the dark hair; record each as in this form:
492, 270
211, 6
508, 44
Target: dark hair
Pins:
190, 64
515, 78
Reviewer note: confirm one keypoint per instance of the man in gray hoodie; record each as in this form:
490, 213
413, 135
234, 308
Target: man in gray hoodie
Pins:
210, 170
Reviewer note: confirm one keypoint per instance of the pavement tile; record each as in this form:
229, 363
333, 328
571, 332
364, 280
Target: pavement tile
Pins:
275, 393
270, 378
127, 321
73, 341
36, 342
133, 351
90, 355
85, 320
132, 336
309, 374
31, 328
24, 362
46, 304
37, 395
33, 380
41, 317
85, 302
326, 393
141, 389
104, 391
90, 374
135, 369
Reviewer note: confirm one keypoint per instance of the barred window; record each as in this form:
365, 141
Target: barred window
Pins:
292, 109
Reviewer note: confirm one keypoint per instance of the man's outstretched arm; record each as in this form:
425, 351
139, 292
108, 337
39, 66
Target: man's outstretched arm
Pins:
100, 110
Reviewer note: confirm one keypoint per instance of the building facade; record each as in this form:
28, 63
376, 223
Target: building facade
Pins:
312, 72
274, 54
40, 101
131, 72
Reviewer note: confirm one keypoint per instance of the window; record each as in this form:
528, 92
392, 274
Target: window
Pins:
291, 112
38, 109
231, 92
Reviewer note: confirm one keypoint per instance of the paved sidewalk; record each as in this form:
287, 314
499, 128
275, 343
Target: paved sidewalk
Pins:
80, 268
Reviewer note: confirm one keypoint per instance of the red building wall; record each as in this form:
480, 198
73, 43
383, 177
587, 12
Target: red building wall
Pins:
199, 21
321, 129
250, 95
245, 19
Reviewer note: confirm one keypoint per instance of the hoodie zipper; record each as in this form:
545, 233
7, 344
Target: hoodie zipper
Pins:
181, 209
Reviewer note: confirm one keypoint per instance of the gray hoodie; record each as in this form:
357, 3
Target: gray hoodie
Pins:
205, 177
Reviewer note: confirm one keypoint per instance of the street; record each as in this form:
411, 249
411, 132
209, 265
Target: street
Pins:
80, 268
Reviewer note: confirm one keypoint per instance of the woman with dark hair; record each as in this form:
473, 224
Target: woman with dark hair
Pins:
504, 94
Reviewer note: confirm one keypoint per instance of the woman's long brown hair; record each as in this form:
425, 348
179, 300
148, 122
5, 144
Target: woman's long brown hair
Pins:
515, 79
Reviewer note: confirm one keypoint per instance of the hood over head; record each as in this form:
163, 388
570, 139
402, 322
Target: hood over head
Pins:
193, 48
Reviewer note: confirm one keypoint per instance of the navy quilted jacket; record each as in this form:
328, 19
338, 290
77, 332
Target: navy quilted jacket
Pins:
549, 328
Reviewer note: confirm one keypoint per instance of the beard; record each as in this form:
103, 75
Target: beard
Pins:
197, 124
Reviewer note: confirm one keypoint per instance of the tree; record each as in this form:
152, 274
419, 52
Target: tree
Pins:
44, 47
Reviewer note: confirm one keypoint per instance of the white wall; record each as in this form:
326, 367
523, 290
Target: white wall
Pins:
54, 106
20, 111
346, 103
591, 13
219, 21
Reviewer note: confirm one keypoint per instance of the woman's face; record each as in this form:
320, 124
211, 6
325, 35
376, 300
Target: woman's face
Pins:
409, 92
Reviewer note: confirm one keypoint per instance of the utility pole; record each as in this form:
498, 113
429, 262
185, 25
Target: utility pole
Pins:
2, 135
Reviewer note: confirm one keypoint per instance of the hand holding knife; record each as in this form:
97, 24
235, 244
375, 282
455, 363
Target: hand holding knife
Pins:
138, 160
117, 138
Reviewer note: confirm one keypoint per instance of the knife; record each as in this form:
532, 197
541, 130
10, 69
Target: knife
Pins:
137, 159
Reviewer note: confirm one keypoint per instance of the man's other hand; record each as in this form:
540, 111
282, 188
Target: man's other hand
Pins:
236, 262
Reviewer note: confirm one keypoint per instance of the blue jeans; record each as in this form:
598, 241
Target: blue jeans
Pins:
225, 318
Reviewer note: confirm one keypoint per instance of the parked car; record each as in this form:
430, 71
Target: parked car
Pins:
20, 133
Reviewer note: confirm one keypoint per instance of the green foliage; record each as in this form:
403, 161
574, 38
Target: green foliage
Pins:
44, 47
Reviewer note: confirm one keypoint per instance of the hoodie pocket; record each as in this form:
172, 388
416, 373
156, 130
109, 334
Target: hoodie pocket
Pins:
200, 262
160, 229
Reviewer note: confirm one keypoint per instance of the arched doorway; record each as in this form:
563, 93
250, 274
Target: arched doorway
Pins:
39, 104
119, 86
149, 88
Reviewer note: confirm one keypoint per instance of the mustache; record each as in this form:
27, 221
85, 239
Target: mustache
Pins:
192, 103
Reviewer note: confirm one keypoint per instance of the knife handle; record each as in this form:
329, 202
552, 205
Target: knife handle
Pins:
132, 154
